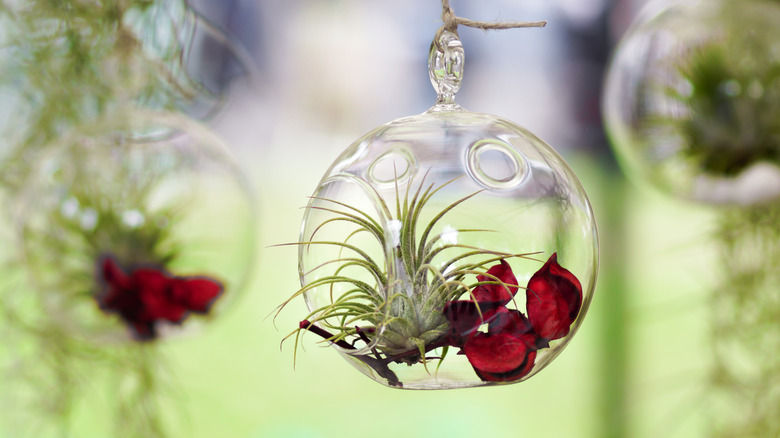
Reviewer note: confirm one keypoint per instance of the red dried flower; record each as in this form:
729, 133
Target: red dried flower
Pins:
493, 291
507, 350
553, 300
500, 343
499, 284
147, 295
501, 357
465, 317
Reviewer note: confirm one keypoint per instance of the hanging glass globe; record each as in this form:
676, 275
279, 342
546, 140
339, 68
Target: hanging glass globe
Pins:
448, 249
129, 236
692, 100
175, 50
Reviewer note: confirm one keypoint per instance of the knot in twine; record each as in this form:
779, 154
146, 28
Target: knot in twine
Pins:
448, 17
452, 21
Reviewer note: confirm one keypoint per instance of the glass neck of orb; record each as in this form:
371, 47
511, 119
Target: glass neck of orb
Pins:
445, 66
445, 98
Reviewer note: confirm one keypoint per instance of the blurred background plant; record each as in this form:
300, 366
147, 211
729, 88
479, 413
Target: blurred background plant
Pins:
691, 108
101, 160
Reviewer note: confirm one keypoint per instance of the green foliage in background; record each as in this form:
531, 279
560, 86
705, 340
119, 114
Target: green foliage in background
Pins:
72, 66
727, 111
745, 331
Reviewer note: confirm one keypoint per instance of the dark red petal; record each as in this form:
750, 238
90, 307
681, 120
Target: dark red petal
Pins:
465, 317
171, 312
510, 321
149, 279
112, 298
117, 295
496, 352
504, 288
147, 295
112, 274
518, 373
123, 301
144, 330
160, 307
553, 300
196, 294
152, 286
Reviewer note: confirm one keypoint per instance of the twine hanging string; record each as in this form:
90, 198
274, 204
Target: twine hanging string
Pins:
452, 21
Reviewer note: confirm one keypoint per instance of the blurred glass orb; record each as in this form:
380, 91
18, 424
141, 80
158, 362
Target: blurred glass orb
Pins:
692, 100
180, 54
421, 198
141, 206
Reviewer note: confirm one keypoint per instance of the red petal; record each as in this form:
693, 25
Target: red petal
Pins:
554, 298
504, 288
496, 352
117, 295
196, 294
513, 375
508, 321
112, 298
123, 301
147, 295
153, 288
113, 275
465, 317
171, 312
149, 281
144, 330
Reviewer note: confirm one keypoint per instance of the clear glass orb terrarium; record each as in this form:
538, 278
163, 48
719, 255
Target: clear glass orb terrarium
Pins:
448, 249
133, 228
692, 100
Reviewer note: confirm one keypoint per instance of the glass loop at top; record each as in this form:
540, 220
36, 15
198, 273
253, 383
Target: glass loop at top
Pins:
445, 66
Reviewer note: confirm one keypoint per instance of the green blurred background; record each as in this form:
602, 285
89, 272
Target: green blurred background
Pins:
329, 71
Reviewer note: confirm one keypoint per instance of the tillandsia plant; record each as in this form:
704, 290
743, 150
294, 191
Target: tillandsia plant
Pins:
94, 46
101, 276
745, 334
727, 101
121, 250
98, 274
432, 294
70, 62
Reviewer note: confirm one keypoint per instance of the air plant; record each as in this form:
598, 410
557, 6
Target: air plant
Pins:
727, 101
422, 300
